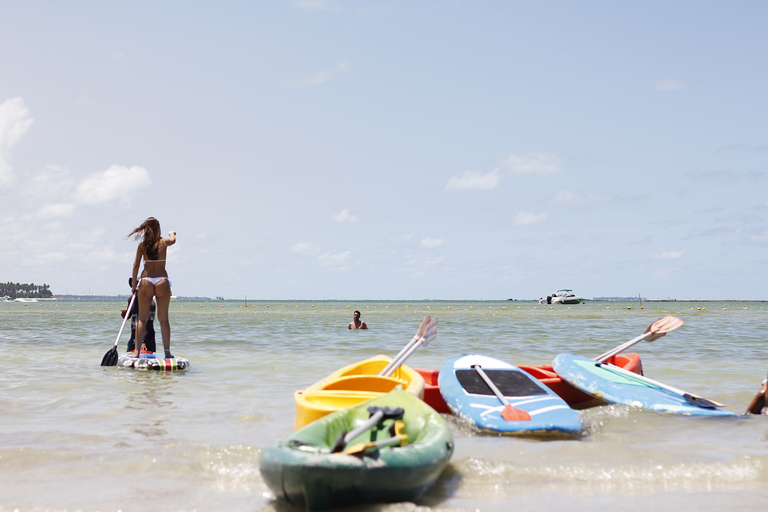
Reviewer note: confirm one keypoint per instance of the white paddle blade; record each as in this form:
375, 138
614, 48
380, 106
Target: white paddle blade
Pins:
430, 334
662, 326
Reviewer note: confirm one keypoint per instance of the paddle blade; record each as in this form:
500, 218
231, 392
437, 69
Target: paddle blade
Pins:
701, 401
510, 413
430, 333
662, 326
110, 358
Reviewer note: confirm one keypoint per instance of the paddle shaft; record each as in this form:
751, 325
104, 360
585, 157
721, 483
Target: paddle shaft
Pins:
621, 348
389, 369
365, 426
426, 333
654, 331
127, 315
656, 383
490, 384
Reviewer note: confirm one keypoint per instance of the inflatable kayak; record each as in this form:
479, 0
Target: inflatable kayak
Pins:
153, 362
616, 386
533, 409
351, 385
338, 460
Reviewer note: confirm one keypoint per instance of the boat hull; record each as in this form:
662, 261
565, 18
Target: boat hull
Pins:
302, 470
352, 385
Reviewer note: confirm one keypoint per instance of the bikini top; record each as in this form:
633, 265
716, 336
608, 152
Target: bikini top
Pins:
154, 261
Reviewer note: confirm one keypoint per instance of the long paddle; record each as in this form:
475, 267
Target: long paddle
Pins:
424, 335
110, 358
654, 331
509, 413
688, 397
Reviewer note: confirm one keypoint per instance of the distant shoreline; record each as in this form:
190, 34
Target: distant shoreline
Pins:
211, 299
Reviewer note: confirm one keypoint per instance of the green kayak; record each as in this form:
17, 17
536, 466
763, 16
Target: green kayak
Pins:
341, 459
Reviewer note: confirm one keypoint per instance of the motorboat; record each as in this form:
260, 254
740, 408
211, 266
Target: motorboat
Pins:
565, 296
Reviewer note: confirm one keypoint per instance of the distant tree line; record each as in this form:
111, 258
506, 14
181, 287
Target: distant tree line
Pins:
26, 291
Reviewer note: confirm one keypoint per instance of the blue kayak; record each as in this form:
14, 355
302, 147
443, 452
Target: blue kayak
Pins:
611, 385
469, 397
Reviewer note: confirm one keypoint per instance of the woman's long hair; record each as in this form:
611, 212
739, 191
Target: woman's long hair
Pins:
149, 234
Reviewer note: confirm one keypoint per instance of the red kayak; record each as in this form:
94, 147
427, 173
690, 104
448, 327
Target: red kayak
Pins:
543, 372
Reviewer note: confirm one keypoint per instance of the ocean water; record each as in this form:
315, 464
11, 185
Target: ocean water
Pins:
75, 436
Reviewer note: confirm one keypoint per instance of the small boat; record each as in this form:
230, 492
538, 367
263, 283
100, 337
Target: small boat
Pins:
351, 385
565, 296
338, 460
615, 385
573, 396
501, 398
151, 361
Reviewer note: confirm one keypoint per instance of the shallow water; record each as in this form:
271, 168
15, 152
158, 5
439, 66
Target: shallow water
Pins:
76, 436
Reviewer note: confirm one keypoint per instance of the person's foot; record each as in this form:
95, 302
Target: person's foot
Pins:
168, 354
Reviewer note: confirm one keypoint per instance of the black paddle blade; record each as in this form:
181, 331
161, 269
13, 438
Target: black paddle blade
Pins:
110, 358
699, 401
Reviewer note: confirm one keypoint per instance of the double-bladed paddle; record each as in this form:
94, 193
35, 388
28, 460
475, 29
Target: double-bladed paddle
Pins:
424, 335
110, 358
509, 413
654, 331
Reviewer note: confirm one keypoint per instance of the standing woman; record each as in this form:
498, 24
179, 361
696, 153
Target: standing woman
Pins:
154, 279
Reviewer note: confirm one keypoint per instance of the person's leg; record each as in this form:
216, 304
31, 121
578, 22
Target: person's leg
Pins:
163, 297
146, 292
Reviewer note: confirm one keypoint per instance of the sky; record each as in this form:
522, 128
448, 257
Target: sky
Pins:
388, 150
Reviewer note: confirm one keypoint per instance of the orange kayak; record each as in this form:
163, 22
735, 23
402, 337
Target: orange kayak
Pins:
544, 373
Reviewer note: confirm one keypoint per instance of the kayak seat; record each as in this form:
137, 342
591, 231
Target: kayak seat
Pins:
373, 383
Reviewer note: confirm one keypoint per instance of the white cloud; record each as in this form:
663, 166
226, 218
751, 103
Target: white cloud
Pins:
526, 218
668, 255
568, 196
344, 216
14, 124
335, 258
472, 180
307, 248
115, 184
55, 211
431, 243
533, 163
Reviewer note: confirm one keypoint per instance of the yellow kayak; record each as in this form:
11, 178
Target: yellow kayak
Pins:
351, 385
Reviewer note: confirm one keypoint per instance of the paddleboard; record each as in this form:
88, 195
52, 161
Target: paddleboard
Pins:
469, 397
611, 386
153, 362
